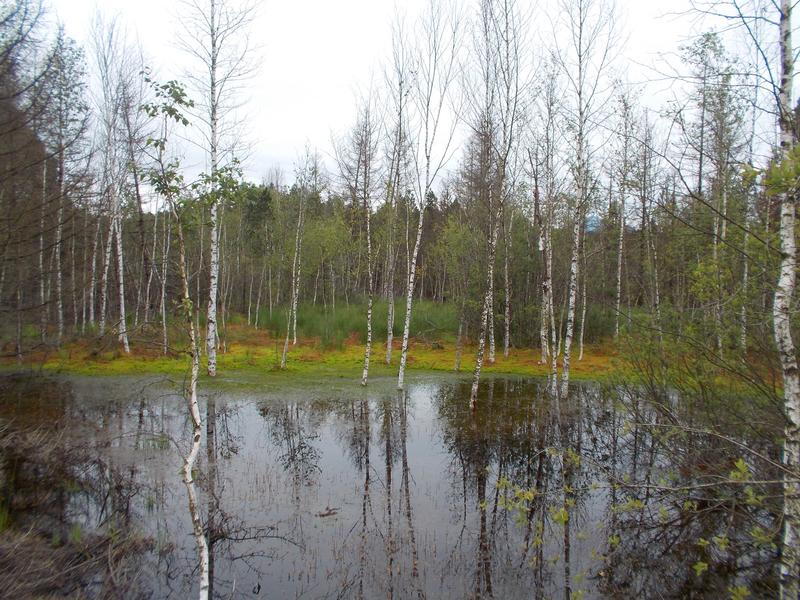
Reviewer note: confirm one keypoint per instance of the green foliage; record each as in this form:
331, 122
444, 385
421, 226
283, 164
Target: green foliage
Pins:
430, 321
783, 177
700, 567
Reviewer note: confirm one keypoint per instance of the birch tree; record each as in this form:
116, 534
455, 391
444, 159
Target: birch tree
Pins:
625, 136
165, 177
310, 180
589, 27
215, 34
545, 172
64, 125
398, 82
436, 62
112, 57
781, 313
356, 157
777, 73
500, 31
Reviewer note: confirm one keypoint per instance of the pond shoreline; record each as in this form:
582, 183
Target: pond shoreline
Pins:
260, 363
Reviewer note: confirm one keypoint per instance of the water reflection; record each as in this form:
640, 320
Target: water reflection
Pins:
353, 493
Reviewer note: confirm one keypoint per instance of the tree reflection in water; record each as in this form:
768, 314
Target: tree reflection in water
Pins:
356, 493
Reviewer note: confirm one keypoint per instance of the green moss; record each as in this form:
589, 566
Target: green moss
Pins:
254, 361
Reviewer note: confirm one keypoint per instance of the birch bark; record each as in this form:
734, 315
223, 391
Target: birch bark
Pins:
781, 315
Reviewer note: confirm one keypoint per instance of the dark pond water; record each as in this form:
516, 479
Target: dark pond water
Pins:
329, 490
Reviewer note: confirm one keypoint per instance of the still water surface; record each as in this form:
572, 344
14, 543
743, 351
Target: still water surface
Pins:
329, 490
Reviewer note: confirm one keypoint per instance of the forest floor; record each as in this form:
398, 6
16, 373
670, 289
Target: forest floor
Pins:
255, 355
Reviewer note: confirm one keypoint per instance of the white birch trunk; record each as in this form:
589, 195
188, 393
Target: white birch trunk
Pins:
390, 265
573, 294
152, 268
84, 261
213, 276
745, 286
298, 244
544, 314
555, 347
653, 254
412, 269
507, 282
213, 292
781, 313
485, 319
59, 274
93, 281
258, 296
286, 341
370, 286
104, 278
620, 251
544, 343
164, 273
583, 293
197, 427
492, 349
390, 327
715, 259
123, 328
73, 277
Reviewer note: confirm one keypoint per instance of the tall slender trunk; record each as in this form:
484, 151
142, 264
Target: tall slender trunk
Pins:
213, 276
583, 292
151, 271
258, 296
555, 338
286, 341
104, 277
781, 314
250, 300
573, 293
507, 282
59, 273
333, 290
656, 284
391, 260
73, 275
123, 328
716, 237
745, 288
84, 260
269, 288
389, 327
620, 251
93, 282
542, 246
412, 269
213, 292
197, 424
164, 273
490, 322
485, 316
42, 277
298, 245
370, 286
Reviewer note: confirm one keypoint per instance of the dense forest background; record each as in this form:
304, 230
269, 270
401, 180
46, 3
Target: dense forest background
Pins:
665, 215
495, 192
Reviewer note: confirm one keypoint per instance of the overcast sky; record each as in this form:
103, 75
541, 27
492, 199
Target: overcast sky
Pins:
315, 55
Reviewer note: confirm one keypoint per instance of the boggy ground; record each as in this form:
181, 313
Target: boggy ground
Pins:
255, 355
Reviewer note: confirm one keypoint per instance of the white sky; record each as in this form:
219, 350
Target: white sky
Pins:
315, 55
